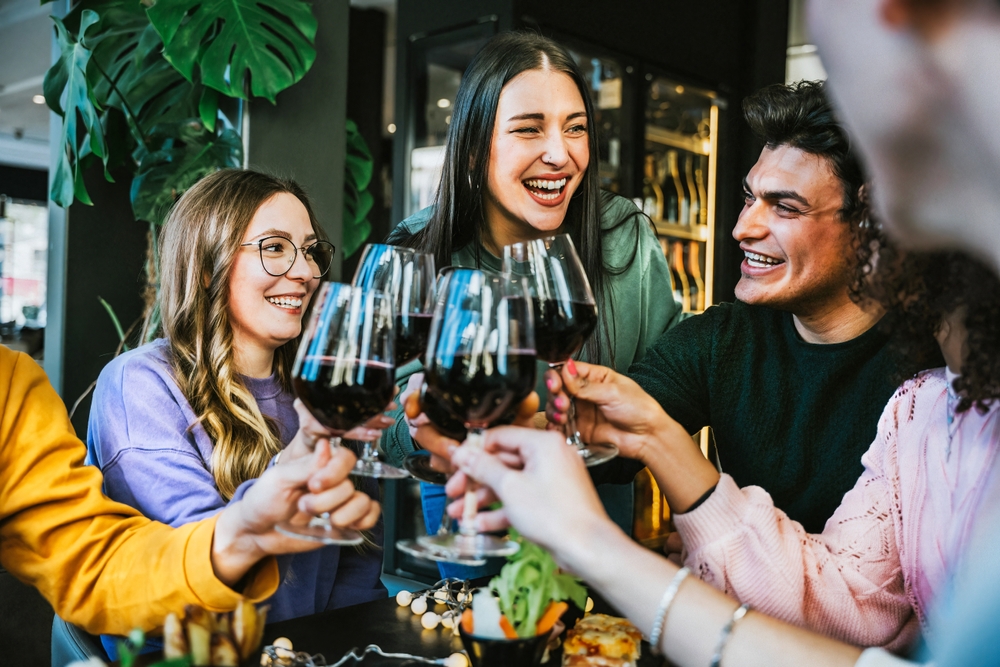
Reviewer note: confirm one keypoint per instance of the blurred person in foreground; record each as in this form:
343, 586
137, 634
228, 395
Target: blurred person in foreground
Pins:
916, 83
104, 566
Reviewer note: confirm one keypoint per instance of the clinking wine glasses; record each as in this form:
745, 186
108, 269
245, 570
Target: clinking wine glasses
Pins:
480, 364
344, 373
565, 314
407, 278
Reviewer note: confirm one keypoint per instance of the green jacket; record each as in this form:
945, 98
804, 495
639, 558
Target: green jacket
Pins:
639, 304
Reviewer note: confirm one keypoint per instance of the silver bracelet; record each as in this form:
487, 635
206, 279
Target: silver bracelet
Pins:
665, 602
727, 631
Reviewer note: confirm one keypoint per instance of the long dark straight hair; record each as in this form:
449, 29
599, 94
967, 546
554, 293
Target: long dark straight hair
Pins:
458, 218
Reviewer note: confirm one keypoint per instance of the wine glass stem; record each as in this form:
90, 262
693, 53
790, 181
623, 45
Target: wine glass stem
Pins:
369, 454
570, 430
468, 524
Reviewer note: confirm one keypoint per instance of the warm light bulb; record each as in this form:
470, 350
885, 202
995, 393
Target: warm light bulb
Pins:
404, 598
419, 605
444, 103
38, 99
391, 128
430, 620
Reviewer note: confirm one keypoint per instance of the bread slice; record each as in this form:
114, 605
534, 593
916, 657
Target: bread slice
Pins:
603, 641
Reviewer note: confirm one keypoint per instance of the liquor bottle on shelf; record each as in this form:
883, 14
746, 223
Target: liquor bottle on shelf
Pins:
699, 179
695, 208
675, 280
671, 200
652, 193
683, 203
694, 264
678, 265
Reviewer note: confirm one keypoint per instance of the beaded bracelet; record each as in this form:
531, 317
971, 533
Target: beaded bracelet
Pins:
665, 602
727, 631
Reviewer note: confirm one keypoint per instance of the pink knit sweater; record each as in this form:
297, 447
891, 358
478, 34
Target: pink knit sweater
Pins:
870, 577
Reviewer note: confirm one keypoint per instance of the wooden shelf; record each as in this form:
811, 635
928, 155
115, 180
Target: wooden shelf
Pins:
685, 142
687, 232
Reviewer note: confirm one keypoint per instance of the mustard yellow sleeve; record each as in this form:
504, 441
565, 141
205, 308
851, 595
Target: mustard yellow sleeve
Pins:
100, 564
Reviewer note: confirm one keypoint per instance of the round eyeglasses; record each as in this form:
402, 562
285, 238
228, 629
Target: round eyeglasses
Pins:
278, 254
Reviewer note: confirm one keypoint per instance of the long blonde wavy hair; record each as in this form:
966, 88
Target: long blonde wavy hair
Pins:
198, 247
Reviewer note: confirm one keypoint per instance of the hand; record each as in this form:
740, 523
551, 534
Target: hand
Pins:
441, 447
311, 431
609, 408
673, 548
548, 497
244, 532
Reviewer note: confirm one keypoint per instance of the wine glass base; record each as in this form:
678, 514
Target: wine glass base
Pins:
419, 465
457, 545
596, 453
415, 548
319, 530
378, 469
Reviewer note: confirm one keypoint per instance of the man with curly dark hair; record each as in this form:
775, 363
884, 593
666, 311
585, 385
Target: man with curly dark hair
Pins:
792, 376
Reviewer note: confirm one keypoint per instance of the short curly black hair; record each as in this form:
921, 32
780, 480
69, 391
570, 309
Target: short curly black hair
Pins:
800, 115
918, 289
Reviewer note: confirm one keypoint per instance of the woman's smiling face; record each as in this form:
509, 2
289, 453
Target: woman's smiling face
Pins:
265, 311
538, 156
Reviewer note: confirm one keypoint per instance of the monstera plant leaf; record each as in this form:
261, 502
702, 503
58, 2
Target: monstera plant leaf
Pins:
69, 93
187, 152
358, 165
269, 42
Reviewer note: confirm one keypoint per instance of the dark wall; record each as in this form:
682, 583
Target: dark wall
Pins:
21, 183
303, 136
731, 46
106, 254
365, 80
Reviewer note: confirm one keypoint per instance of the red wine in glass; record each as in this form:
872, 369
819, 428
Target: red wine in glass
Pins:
561, 329
338, 406
412, 332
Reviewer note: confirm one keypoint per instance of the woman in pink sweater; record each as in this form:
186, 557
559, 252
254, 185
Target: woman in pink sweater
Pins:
885, 554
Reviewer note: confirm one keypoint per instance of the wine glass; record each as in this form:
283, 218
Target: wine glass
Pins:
344, 374
565, 315
407, 277
480, 363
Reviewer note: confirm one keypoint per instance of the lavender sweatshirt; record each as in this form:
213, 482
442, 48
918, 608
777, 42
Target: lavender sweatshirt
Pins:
139, 437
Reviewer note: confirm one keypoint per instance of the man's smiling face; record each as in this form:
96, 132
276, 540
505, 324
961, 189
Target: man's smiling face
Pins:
798, 254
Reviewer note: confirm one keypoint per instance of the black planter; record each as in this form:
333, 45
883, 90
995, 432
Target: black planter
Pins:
484, 652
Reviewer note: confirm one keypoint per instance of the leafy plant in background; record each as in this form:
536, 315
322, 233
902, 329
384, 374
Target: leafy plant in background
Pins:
358, 165
138, 84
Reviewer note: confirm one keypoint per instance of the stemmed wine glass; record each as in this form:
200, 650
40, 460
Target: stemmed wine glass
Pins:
344, 374
407, 277
565, 314
480, 363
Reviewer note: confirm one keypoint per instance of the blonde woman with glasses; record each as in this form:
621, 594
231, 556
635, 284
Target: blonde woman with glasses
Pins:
182, 426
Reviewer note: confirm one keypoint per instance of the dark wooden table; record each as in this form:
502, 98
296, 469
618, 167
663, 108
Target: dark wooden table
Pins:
393, 628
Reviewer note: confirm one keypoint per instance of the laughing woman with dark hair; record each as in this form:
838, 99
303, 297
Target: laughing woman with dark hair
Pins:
520, 164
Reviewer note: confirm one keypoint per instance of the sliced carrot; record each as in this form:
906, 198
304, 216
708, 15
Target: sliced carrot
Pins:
549, 618
508, 629
467, 623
